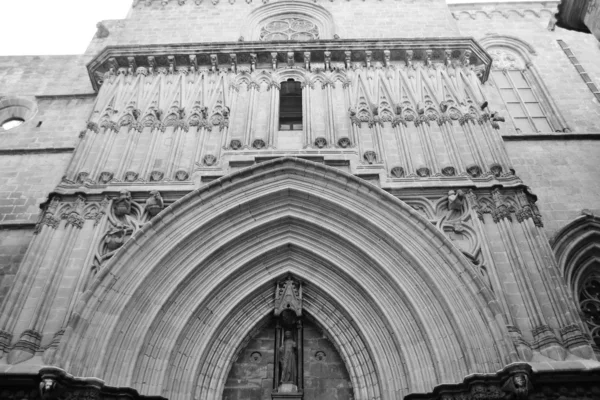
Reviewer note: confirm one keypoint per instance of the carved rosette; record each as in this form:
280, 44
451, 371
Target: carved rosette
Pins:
344, 142
320, 142
370, 156
235, 144
259, 144
397, 172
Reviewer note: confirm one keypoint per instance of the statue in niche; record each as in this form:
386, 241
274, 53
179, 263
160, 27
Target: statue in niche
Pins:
287, 359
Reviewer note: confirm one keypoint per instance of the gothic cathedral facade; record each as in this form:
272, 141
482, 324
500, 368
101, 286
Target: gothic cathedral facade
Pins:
304, 200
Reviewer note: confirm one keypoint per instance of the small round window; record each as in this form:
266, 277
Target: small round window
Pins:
12, 123
15, 111
289, 29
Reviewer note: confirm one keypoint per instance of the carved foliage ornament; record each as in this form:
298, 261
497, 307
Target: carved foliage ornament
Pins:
506, 59
589, 302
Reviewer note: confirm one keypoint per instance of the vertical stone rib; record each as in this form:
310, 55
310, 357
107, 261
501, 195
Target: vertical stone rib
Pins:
151, 154
253, 88
132, 137
450, 144
101, 163
407, 162
329, 112
198, 132
306, 116
378, 137
19, 291
473, 144
273, 114
174, 151
428, 151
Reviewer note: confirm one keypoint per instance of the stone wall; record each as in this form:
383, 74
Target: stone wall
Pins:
563, 173
225, 22
34, 156
13, 244
529, 22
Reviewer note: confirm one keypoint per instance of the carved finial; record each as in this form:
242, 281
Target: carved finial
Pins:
172, 64
290, 59
409, 58
288, 296
233, 59
151, 65
467, 58
386, 58
307, 60
252, 61
214, 60
193, 63
132, 65
428, 55
348, 59
448, 58
327, 55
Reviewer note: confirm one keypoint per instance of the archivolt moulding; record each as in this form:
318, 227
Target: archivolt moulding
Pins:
167, 313
575, 246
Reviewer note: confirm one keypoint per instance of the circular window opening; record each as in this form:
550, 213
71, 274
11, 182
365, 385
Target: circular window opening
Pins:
12, 123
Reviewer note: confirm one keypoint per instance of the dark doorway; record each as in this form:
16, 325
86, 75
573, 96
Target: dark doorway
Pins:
290, 106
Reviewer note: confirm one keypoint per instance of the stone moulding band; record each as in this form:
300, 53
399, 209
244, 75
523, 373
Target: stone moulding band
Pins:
331, 53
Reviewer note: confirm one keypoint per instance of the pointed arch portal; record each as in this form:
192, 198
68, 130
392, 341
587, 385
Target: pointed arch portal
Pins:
404, 308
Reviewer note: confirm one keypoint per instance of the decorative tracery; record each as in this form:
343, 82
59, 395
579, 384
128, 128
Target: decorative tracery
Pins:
589, 301
298, 29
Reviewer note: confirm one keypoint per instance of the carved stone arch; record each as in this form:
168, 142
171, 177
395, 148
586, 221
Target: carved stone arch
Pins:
577, 250
243, 78
512, 42
573, 244
167, 312
289, 8
319, 77
295, 74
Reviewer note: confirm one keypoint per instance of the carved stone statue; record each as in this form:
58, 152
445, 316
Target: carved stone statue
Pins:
518, 386
154, 203
47, 388
287, 359
122, 204
455, 200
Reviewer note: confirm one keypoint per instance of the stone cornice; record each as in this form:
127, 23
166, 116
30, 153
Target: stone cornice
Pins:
187, 58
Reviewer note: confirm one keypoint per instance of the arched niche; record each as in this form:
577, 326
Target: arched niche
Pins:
289, 9
510, 53
577, 250
405, 308
251, 374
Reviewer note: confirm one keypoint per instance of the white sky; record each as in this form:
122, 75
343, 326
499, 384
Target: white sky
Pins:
41, 27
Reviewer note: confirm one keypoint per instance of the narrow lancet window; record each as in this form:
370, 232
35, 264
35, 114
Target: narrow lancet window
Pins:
290, 106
